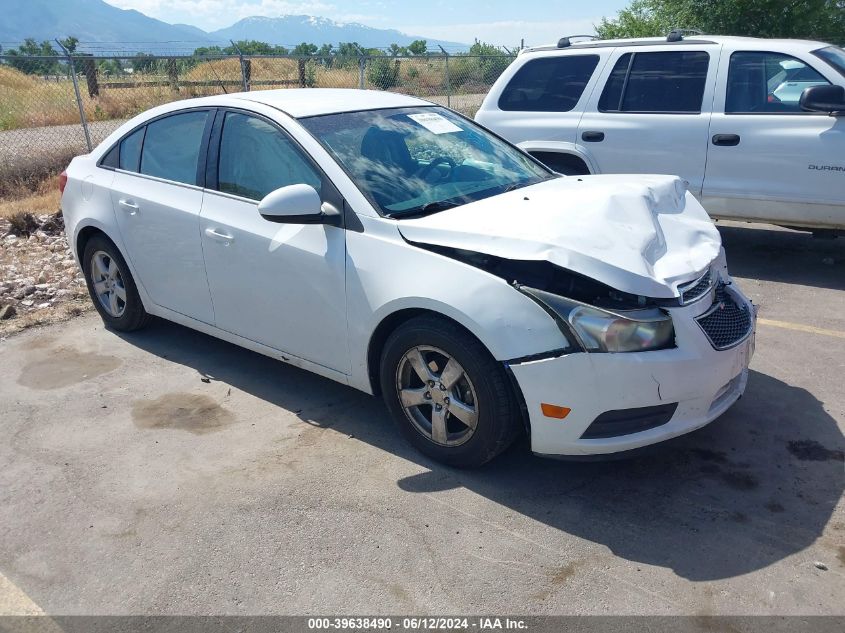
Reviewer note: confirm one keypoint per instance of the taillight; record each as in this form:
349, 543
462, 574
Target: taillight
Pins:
62, 181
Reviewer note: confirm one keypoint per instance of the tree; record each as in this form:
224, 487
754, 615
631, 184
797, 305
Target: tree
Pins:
304, 50
143, 63
33, 58
398, 51
807, 19
418, 47
70, 43
382, 72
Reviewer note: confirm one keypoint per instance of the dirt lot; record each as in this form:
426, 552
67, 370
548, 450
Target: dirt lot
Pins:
168, 472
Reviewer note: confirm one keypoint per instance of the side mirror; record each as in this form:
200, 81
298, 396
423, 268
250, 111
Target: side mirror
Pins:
823, 99
297, 204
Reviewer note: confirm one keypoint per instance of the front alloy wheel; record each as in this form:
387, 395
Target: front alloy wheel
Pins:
451, 399
438, 396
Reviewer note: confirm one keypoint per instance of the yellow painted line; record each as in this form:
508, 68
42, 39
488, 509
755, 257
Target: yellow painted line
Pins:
13, 601
801, 328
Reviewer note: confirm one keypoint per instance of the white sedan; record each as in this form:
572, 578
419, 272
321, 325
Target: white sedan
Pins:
397, 247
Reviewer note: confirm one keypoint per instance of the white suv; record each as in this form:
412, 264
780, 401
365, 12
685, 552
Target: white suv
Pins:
753, 125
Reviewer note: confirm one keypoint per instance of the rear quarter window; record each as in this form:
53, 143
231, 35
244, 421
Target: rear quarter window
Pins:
550, 84
130, 151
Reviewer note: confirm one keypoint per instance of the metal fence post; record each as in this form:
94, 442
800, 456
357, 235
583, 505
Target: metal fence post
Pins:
244, 78
78, 96
362, 62
448, 80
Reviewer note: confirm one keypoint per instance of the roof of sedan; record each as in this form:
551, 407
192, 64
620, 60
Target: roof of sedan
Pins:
303, 102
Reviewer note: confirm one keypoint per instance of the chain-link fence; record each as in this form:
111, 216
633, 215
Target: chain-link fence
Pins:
53, 107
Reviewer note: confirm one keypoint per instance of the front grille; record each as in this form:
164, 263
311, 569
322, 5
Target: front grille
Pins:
726, 323
628, 421
696, 289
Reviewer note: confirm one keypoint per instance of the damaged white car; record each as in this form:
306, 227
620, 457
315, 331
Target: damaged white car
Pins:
397, 247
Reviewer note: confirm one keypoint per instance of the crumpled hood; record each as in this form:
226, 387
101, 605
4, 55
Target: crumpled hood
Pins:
639, 234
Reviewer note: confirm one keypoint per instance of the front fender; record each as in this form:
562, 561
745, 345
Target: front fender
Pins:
385, 274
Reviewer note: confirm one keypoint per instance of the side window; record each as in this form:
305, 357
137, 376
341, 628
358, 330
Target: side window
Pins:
257, 158
172, 147
130, 151
669, 81
767, 83
552, 84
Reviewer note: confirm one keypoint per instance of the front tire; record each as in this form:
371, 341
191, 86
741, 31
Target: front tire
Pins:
111, 286
448, 395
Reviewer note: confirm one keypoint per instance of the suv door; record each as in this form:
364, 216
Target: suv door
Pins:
157, 199
767, 159
541, 104
651, 112
281, 285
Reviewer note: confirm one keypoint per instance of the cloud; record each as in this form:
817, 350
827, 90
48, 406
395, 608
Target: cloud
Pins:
506, 33
215, 14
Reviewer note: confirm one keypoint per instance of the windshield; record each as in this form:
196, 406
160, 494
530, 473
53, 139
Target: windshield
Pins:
834, 56
414, 161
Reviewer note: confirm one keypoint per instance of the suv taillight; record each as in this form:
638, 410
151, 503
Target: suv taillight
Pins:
62, 181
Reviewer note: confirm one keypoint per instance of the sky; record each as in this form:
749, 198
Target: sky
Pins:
501, 22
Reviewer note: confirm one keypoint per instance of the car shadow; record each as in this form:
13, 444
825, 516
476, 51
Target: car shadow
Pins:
785, 256
754, 487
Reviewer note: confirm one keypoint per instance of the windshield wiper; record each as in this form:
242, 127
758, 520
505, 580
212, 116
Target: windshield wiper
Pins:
426, 209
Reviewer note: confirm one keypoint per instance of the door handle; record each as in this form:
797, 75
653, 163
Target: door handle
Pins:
128, 206
726, 140
217, 236
591, 136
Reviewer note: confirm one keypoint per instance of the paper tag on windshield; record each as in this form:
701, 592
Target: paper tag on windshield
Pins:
433, 122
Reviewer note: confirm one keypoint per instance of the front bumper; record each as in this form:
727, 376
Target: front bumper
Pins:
703, 381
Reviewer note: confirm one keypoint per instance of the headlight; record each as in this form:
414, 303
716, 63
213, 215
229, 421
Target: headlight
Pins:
598, 330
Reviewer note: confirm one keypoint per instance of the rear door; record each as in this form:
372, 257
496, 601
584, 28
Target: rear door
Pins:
541, 104
157, 197
767, 159
650, 112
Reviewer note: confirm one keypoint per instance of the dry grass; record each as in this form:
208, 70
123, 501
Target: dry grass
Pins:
44, 200
46, 316
12, 79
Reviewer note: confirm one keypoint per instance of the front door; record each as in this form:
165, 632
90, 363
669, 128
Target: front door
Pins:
767, 159
650, 113
281, 285
157, 201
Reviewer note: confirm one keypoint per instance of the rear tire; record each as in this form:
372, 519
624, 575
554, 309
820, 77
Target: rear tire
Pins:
111, 286
450, 398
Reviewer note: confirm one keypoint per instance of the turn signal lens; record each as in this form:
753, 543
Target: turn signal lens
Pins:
554, 411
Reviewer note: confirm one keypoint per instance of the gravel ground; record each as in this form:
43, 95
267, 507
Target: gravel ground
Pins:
23, 145
39, 278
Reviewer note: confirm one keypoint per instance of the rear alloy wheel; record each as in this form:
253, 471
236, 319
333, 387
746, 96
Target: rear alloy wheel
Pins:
108, 284
448, 395
111, 286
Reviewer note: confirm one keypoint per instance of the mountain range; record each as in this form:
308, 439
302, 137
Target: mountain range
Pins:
97, 22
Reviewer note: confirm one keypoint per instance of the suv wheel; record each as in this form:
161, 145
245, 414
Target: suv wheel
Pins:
448, 395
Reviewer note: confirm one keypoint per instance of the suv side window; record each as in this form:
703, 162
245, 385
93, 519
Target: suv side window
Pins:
171, 147
257, 158
669, 81
760, 82
551, 84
